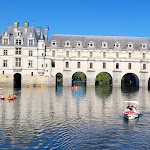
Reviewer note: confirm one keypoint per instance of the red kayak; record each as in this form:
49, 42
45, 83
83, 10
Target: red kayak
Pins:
2, 98
76, 87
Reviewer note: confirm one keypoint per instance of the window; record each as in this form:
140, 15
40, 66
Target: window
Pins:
53, 53
117, 66
30, 63
3, 72
4, 63
67, 64
18, 62
46, 65
144, 66
91, 54
42, 65
53, 63
78, 65
5, 41
104, 54
117, 54
31, 73
30, 42
18, 51
129, 66
67, 53
91, 65
30, 53
130, 55
144, 55
5, 52
18, 42
104, 65
79, 54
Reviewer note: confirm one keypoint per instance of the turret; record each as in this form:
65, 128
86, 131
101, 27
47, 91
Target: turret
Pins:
41, 54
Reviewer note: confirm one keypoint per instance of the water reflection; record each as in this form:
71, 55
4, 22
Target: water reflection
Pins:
103, 91
90, 118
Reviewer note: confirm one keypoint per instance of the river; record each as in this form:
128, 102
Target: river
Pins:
62, 118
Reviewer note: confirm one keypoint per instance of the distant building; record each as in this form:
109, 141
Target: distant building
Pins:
29, 57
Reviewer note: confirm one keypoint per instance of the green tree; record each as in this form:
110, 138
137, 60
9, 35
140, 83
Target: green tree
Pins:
103, 78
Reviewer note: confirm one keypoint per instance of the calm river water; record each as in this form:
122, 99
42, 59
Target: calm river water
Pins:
62, 118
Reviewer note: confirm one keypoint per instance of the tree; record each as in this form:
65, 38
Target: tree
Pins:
103, 78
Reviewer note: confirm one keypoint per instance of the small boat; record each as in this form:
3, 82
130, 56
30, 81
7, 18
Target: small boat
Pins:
28, 86
129, 113
42, 86
2, 98
76, 87
10, 98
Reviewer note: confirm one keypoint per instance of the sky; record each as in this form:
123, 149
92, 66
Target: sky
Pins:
80, 17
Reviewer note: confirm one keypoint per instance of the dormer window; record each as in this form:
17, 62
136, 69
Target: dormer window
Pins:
144, 46
67, 43
79, 44
18, 42
5, 41
5, 38
91, 44
117, 45
53, 43
104, 45
130, 45
30, 42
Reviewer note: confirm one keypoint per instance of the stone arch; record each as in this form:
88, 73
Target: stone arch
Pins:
99, 79
17, 80
79, 77
130, 80
59, 78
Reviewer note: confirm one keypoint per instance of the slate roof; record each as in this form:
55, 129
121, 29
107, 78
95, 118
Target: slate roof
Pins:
111, 40
10, 32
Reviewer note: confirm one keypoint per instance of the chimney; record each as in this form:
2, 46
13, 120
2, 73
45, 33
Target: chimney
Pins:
46, 32
38, 30
26, 25
16, 25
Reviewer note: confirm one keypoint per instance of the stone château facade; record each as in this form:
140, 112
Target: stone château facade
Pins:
32, 58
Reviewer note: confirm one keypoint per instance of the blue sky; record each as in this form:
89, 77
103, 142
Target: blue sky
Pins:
80, 17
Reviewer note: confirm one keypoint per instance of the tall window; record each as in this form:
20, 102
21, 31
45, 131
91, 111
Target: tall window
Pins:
91, 65
67, 64
79, 54
5, 52
104, 65
4, 63
31, 73
53, 63
130, 55
67, 53
78, 65
117, 66
117, 54
5, 41
129, 66
144, 66
30, 53
18, 51
144, 55
18, 42
30, 42
18, 62
30, 63
91, 54
104, 54
53, 53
